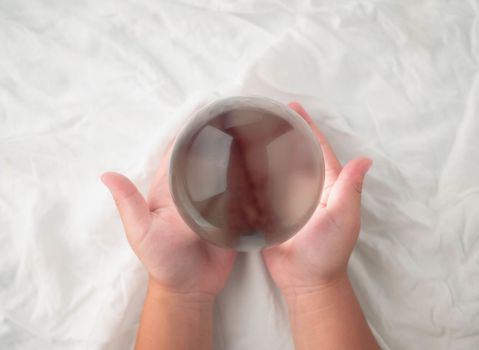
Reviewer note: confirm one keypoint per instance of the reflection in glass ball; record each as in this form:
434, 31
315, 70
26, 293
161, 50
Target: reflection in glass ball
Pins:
246, 173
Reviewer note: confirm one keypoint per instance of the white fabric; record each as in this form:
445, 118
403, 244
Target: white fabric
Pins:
89, 86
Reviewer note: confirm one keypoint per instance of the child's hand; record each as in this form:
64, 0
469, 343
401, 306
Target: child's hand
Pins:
317, 256
176, 258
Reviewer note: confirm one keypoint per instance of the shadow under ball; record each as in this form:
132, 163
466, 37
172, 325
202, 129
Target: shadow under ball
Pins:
246, 173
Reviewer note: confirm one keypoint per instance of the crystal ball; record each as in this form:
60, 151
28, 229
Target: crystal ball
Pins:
246, 173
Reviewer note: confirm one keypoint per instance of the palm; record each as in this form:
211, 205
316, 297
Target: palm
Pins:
320, 247
171, 252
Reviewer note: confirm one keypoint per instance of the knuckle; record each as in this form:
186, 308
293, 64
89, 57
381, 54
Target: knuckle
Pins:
358, 187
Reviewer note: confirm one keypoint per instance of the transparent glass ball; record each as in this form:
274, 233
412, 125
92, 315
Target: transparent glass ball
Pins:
246, 173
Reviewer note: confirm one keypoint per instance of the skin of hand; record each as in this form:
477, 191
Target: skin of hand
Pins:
311, 267
318, 254
185, 272
176, 259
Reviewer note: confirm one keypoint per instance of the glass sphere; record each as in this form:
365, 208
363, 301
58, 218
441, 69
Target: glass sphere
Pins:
246, 173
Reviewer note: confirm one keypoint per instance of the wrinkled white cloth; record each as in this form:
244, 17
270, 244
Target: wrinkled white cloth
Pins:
90, 86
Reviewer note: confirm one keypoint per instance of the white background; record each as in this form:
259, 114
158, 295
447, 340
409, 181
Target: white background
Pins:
90, 86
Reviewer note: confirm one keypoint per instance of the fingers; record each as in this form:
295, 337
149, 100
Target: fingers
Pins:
345, 196
133, 209
332, 165
159, 195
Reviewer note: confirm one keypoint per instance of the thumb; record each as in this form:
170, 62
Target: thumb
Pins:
133, 209
345, 196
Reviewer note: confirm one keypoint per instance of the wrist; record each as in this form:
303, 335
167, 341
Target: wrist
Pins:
175, 319
318, 296
328, 316
179, 298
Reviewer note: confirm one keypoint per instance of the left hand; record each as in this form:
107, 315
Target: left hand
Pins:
317, 256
